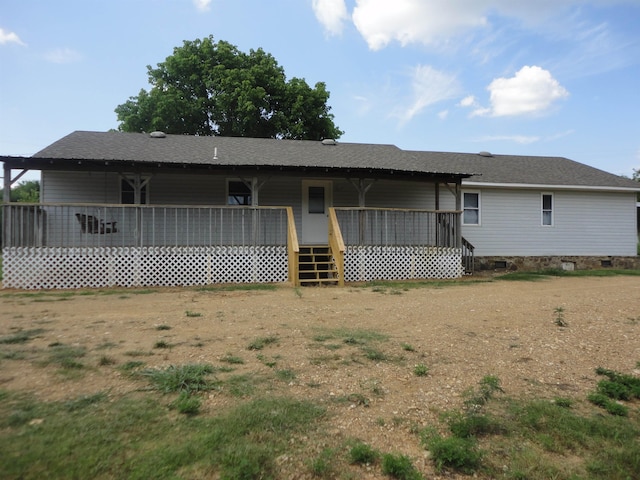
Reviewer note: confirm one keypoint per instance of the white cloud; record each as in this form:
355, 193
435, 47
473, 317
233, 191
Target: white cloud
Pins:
414, 21
435, 22
331, 14
429, 86
63, 55
10, 37
468, 101
531, 91
443, 114
202, 5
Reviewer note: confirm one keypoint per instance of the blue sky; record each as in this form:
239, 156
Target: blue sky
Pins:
544, 77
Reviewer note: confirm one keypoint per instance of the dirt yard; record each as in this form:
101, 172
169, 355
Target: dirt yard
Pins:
460, 333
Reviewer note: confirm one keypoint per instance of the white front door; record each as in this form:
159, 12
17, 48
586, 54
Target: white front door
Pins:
316, 200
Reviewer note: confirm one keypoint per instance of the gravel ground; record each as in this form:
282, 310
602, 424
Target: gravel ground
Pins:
352, 349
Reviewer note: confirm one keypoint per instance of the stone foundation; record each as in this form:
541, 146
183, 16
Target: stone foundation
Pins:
513, 264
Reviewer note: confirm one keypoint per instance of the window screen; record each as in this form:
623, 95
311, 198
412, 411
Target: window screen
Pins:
239, 193
547, 209
471, 215
316, 199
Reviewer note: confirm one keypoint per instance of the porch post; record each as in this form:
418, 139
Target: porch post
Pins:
362, 190
254, 192
6, 198
459, 209
6, 195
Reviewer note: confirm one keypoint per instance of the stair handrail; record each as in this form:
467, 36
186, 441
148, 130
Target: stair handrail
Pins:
467, 256
336, 244
293, 248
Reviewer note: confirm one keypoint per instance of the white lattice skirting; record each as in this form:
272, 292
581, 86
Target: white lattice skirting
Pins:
401, 263
47, 267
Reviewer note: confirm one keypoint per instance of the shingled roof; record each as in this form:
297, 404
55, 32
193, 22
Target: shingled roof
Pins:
237, 152
523, 171
240, 152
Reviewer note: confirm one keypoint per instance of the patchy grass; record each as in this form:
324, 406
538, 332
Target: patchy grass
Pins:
22, 336
240, 286
232, 359
66, 357
542, 274
185, 378
260, 342
134, 437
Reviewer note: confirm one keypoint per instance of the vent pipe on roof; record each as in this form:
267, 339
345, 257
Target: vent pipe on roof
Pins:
485, 154
329, 141
157, 134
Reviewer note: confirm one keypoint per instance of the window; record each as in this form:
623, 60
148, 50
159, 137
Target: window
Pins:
471, 213
316, 199
128, 192
238, 193
547, 209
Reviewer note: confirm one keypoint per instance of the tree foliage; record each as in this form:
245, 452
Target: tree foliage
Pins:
212, 88
27, 192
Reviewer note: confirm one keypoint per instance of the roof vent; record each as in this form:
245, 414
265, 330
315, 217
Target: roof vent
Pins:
157, 134
329, 141
485, 154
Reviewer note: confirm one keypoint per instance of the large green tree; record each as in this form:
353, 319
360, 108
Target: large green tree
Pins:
212, 88
27, 191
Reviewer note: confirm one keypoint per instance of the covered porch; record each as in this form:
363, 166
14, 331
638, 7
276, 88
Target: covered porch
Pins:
58, 246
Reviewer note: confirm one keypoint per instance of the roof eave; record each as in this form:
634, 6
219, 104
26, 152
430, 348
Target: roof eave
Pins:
609, 188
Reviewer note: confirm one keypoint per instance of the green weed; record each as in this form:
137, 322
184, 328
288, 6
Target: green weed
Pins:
261, 342
421, 370
456, 453
185, 378
323, 466
285, 375
363, 454
400, 467
232, 359
559, 317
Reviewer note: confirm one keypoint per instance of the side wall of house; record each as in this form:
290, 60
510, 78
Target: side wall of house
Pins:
584, 223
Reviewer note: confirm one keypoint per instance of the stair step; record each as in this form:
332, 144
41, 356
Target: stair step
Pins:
316, 265
310, 281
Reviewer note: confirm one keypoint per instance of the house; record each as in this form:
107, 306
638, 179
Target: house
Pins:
153, 209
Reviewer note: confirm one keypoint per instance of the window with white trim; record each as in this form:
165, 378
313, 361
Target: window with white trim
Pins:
471, 208
238, 193
547, 209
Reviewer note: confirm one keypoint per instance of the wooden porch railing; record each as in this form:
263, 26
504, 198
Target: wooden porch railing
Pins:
100, 225
386, 226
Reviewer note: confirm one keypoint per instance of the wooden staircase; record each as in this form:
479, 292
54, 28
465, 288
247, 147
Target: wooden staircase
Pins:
316, 266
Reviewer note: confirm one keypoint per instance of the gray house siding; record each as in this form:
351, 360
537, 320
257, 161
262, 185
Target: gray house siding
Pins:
584, 223
172, 189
